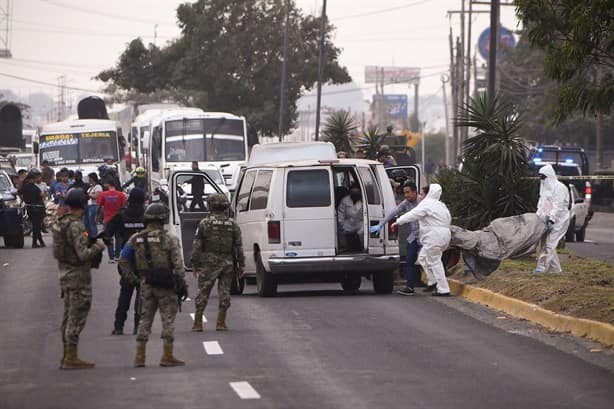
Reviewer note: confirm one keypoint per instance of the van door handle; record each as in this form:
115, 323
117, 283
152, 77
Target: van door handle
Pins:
295, 243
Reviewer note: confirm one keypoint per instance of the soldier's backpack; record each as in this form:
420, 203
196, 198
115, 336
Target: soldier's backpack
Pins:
157, 276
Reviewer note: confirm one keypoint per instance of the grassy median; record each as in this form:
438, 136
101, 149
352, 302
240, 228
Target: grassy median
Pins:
585, 289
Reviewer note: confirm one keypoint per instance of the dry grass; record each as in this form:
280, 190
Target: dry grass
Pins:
585, 289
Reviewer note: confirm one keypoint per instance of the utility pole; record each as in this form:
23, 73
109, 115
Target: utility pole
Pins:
284, 73
459, 94
5, 29
445, 79
155, 33
416, 97
61, 97
492, 52
453, 88
468, 59
320, 68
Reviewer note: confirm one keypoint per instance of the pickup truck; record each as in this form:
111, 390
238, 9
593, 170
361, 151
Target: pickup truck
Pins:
579, 215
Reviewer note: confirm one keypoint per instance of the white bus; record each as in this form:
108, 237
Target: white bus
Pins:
81, 144
181, 136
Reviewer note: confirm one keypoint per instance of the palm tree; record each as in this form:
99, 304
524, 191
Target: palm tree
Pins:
493, 182
370, 142
339, 129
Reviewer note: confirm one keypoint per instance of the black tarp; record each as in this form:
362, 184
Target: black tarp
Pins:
11, 126
92, 108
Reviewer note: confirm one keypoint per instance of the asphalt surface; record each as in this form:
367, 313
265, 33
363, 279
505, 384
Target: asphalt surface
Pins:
311, 347
599, 241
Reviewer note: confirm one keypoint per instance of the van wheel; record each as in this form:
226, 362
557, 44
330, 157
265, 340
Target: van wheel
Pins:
351, 282
581, 234
383, 283
265, 282
570, 236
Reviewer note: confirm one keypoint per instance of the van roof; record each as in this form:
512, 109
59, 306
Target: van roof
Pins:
190, 113
313, 162
80, 125
291, 152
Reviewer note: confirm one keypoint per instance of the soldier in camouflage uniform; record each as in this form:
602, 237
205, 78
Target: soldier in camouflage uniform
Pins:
216, 248
154, 256
71, 247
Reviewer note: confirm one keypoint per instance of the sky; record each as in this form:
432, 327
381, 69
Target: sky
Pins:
78, 39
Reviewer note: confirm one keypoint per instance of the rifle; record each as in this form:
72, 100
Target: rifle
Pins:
92, 240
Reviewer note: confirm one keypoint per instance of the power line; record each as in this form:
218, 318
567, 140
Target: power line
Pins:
90, 33
381, 11
102, 13
3, 74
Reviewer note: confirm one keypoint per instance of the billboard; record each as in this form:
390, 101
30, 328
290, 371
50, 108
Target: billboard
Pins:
394, 110
392, 75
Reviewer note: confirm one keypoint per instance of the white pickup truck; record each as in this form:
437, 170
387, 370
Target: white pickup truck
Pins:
579, 215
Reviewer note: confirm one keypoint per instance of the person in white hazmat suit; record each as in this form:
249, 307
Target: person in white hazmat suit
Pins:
553, 205
434, 219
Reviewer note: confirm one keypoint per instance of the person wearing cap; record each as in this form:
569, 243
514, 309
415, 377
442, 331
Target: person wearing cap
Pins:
33, 197
110, 203
139, 180
124, 224
385, 157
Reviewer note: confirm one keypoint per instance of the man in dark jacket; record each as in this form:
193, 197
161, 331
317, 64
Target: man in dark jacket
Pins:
125, 223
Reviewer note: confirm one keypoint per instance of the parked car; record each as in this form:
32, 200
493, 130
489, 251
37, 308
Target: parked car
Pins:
11, 213
286, 205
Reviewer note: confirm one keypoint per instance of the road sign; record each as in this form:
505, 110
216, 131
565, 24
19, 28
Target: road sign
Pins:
506, 41
392, 75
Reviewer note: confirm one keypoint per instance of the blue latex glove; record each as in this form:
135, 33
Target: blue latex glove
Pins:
375, 229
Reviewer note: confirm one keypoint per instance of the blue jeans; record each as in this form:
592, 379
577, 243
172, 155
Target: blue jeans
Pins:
411, 272
89, 219
115, 248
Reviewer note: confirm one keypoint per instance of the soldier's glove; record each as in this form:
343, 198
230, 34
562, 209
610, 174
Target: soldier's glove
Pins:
181, 288
97, 260
131, 278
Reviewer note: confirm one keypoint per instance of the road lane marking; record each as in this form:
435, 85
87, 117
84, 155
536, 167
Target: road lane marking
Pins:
244, 390
213, 348
204, 319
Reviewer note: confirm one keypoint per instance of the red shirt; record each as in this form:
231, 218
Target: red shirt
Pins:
112, 201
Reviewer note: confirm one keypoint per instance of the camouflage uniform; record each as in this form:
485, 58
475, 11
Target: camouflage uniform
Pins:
217, 243
165, 253
70, 237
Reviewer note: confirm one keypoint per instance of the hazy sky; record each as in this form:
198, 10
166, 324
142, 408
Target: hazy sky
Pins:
50, 38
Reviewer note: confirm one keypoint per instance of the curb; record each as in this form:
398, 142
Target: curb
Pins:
595, 330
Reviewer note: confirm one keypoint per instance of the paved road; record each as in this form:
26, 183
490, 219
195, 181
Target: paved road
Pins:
599, 242
311, 347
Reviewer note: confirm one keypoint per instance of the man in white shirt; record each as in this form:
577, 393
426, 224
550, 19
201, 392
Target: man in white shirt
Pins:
351, 224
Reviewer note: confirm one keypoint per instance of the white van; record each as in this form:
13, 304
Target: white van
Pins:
287, 211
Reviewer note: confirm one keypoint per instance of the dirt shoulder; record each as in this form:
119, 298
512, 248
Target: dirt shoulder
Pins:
585, 289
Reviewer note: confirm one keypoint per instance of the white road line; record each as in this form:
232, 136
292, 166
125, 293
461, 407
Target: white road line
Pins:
244, 390
213, 348
204, 318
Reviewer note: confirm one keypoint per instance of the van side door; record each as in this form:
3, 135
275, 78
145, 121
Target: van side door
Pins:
374, 209
309, 225
186, 209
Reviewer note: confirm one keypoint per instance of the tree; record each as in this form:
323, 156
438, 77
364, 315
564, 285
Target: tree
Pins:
370, 142
492, 182
339, 130
228, 58
578, 38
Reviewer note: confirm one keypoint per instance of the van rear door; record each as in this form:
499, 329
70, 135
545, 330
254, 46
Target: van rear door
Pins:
309, 224
374, 211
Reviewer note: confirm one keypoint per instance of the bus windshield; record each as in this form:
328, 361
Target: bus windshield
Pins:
86, 147
205, 140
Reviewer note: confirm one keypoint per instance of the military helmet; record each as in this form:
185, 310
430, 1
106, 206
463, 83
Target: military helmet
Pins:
217, 201
76, 199
140, 170
156, 212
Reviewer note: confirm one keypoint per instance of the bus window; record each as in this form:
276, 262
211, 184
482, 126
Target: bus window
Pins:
156, 149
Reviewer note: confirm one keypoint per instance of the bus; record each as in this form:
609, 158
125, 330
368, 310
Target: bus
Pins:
81, 144
180, 136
